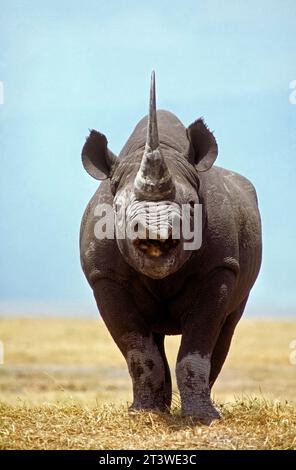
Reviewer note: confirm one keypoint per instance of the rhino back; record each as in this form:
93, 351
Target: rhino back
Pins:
234, 225
171, 132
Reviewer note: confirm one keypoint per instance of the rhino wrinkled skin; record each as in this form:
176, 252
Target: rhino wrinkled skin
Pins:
148, 289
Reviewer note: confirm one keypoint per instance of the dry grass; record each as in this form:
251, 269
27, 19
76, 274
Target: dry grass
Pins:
60, 376
247, 424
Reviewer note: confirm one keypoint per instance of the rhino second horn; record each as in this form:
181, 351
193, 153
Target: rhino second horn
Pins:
153, 180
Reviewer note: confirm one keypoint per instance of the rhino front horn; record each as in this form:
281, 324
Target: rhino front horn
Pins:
153, 181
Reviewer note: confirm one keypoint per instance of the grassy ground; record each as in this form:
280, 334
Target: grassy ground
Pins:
63, 384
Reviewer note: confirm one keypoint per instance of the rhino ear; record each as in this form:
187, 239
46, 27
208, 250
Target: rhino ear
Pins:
97, 159
204, 148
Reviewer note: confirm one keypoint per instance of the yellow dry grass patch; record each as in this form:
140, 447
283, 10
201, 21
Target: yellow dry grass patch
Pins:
247, 424
60, 377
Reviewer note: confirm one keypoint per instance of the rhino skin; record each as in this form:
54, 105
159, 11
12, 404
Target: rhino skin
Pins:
144, 294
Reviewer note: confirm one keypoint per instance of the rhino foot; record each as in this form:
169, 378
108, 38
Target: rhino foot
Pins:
204, 413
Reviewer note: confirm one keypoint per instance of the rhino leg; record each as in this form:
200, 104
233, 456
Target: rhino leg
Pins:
142, 349
201, 328
224, 340
159, 341
147, 372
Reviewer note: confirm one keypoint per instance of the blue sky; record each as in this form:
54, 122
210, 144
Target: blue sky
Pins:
68, 66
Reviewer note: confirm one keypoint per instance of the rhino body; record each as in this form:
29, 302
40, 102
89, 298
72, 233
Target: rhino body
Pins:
200, 294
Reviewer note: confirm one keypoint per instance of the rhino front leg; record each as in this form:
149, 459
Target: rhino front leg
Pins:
147, 372
193, 373
137, 344
200, 331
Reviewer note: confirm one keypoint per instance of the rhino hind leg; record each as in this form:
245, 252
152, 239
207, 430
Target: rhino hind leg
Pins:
224, 340
159, 341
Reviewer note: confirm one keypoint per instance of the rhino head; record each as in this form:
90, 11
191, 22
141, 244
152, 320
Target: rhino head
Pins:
155, 176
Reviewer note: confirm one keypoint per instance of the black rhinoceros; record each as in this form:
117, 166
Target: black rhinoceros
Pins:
152, 284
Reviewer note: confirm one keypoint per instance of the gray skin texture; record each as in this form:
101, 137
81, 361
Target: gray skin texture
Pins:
199, 294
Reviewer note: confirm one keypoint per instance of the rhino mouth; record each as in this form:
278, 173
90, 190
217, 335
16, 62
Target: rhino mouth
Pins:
156, 248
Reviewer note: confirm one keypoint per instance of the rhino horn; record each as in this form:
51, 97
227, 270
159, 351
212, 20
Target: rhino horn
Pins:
153, 180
